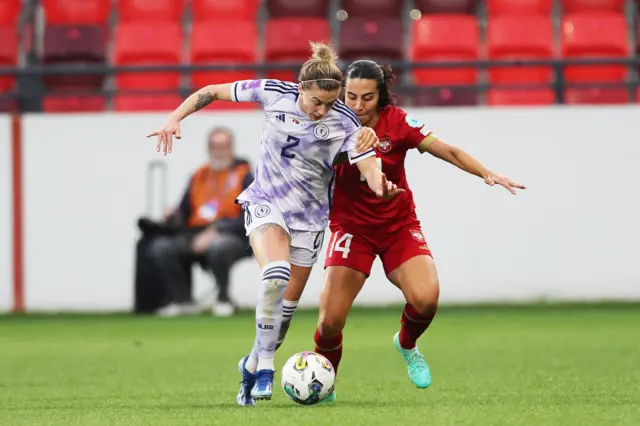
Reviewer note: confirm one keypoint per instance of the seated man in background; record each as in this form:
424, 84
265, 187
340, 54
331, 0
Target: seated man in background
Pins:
214, 234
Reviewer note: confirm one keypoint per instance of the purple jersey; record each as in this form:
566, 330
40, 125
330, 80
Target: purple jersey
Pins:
295, 170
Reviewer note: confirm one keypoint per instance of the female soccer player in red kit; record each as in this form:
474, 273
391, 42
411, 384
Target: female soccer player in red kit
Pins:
364, 227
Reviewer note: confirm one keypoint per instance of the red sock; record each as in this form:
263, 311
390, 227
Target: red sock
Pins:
331, 348
413, 325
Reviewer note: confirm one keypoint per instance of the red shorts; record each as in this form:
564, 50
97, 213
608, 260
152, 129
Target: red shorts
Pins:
357, 250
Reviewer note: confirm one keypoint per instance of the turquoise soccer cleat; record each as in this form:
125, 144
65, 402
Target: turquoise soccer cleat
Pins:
416, 367
330, 398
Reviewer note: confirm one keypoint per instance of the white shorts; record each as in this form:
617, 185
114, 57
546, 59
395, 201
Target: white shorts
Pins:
305, 245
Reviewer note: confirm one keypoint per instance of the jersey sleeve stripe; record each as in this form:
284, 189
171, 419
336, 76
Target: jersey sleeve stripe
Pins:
279, 90
272, 85
361, 154
348, 110
235, 91
355, 121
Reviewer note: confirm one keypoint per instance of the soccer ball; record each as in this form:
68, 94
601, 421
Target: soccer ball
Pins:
308, 378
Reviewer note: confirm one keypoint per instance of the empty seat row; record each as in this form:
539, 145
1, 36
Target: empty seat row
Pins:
97, 11
440, 38
435, 38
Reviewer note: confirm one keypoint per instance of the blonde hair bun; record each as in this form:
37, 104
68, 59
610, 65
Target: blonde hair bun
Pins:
323, 52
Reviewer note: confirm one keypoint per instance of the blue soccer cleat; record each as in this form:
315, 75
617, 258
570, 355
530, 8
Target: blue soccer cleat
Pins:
263, 389
244, 398
418, 370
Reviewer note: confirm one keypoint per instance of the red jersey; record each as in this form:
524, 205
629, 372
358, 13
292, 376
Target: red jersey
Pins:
353, 201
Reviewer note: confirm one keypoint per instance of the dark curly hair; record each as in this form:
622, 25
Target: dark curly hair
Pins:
382, 74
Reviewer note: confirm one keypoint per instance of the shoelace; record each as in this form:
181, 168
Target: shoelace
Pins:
416, 361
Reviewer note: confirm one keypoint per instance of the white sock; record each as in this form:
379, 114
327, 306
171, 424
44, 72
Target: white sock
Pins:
252, 361
275, 277
288, 309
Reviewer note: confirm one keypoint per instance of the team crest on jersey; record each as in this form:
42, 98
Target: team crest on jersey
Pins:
321, 131
385, 145
417, 235
262, 211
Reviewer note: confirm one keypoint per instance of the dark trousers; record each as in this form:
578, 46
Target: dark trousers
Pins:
169, 253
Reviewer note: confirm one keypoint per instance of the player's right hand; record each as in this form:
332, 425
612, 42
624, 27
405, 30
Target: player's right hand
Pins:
165, 135
388, 189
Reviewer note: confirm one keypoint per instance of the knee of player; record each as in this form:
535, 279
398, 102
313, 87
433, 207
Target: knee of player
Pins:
331, 324
425, 302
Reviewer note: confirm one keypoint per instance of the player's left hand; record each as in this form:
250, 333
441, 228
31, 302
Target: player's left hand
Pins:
367, 138
494, 179
388, 190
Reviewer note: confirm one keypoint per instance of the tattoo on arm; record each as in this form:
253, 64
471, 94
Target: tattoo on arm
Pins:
204, 99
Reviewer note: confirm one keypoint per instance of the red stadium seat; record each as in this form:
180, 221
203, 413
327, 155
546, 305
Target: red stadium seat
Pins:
519, 7
596, 96
7, 104
209, 46
241, 10
146, 103
454, 97
579, 6
446, 6
596, 35
74, 45
637, 31
520, 37
373, 38
145, 11
61, 12
373, 8
9, 11
148, 44
438, 38
497, 97
298, 8
8, 54
73, 103
287, 40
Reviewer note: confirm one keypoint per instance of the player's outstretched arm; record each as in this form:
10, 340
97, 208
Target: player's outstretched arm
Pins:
193, 103
461, 159
377, 180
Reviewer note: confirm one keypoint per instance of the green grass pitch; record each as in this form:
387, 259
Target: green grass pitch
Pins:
540, 365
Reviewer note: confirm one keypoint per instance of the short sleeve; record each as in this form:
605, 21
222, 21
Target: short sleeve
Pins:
263, 92
412, 130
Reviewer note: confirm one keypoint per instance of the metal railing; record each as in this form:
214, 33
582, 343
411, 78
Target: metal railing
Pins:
36, 72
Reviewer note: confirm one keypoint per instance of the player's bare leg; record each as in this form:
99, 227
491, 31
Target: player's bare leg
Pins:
340, 289
417, 278
270, 244
293, 293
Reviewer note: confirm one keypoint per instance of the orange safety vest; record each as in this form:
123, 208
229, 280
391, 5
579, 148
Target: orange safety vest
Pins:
212, 194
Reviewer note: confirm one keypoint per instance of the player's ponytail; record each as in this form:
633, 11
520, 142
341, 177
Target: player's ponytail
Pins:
382, 74
321, 69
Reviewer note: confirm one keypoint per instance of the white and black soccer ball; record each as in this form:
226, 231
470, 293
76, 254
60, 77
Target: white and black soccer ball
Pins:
308, 378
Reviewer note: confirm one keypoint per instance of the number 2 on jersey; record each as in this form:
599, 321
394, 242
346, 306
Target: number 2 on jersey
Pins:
379, 161
292, 142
